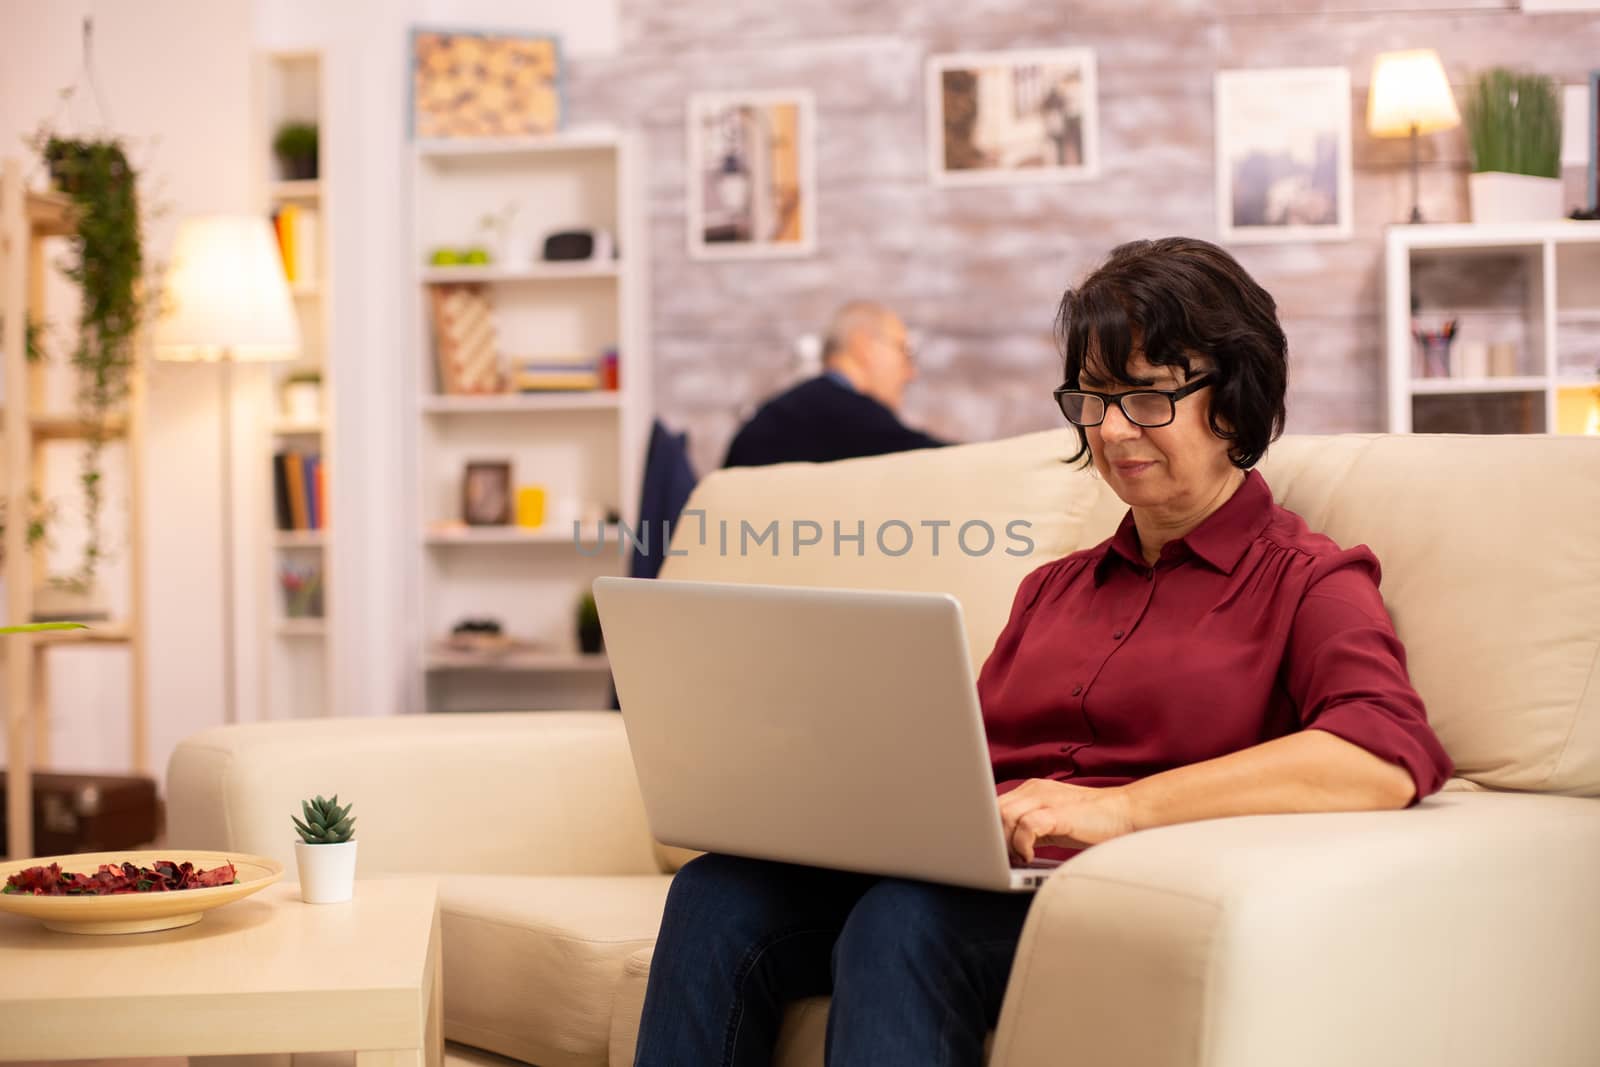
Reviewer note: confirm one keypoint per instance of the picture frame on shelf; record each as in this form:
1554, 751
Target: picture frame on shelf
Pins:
1284, 163
752, 174
486, 498
1004, 118
478, 83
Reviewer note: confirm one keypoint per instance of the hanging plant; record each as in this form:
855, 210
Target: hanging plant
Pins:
106, 263
39, 520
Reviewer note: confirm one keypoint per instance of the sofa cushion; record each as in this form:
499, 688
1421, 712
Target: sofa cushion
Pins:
800, 1041
1490, 547
531, 962
561, 785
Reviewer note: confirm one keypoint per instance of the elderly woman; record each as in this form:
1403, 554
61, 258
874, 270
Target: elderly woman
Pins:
1214, 657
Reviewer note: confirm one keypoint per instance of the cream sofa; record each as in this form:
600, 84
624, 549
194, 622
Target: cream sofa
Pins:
1464, 931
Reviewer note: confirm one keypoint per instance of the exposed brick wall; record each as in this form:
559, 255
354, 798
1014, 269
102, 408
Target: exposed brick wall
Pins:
977, 272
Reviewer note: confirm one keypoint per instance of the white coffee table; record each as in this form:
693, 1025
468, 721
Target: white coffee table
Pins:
267, 974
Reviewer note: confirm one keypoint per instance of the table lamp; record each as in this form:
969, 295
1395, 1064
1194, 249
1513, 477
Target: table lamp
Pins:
1410, 96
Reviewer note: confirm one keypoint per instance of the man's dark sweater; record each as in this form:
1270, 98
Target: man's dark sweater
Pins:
820, 420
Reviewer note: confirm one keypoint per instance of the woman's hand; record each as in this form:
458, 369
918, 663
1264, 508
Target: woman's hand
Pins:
1042, 811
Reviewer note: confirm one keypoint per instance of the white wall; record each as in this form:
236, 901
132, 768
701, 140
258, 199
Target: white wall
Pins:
177, 77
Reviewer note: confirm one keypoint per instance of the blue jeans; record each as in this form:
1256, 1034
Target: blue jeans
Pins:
916, 971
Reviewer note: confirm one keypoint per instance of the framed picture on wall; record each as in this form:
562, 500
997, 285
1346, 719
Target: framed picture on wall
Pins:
1283, 155
468, 83
1010, 117
752, 174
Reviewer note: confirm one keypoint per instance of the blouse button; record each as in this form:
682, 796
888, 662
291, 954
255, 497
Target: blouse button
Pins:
1077, 689
1117, 636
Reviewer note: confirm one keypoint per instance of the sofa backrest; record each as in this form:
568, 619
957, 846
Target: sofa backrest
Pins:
1490, 549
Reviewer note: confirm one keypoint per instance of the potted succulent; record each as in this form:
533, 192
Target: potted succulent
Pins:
326, 851
1514, 126
295, 145
590, 639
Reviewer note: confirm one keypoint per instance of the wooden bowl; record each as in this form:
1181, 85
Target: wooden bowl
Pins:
136, 913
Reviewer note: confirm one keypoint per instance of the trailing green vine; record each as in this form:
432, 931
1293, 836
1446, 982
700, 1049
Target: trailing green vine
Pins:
106, 264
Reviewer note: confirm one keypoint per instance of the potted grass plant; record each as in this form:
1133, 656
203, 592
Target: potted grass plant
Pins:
295, 145
326, 851
1513, 122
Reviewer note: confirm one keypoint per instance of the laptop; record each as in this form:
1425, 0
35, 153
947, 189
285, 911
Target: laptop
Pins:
833, 728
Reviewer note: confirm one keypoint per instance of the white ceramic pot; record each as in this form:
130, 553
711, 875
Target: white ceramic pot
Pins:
302, 401
1501, 197
327, 872
517, 251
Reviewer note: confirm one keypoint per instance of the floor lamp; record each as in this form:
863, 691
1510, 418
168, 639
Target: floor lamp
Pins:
226, 299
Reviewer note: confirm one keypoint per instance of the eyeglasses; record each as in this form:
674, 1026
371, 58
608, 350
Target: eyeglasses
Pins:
1142, 407
902, 346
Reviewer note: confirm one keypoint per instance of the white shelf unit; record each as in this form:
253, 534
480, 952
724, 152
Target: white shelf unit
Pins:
1530, 291
529, 404
535, 272
585, 449
297, 661
516, 535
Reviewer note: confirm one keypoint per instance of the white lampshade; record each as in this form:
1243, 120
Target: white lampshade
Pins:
226, 295
1409, 89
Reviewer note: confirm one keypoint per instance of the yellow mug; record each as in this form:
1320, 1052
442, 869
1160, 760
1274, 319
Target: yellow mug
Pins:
530, 506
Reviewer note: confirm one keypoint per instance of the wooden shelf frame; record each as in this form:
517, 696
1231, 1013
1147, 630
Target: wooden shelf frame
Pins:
28, 219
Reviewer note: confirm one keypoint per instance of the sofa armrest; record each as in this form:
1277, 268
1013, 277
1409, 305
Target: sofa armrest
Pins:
1461, 931
502, 793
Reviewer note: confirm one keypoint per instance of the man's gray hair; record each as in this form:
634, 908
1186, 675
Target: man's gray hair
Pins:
850, 320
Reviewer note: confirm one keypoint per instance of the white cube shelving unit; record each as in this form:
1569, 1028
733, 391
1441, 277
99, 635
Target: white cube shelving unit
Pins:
298, 659
1530, 291
585, 449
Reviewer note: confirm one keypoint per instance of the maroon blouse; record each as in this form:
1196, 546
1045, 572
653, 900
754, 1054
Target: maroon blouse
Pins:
1249, 628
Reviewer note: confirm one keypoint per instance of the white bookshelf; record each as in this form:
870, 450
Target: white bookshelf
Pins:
598, 400
297, 661
304, 188
520, 663
1526, 294
540, 272
549, 534
584, 449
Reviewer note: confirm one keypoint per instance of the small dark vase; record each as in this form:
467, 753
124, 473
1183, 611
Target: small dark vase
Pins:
299, 168
590, 639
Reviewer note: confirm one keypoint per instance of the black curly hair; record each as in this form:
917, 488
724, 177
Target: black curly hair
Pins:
1173, 299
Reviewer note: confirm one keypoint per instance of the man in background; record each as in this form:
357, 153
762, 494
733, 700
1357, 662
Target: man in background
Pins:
851, 409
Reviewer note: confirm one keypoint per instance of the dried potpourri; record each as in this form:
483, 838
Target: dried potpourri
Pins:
113, 878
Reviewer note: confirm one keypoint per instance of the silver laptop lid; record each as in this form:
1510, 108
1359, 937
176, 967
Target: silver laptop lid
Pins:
828, 727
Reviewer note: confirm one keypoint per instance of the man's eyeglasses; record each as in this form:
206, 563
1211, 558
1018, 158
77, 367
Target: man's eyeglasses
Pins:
903, 346
1142, 407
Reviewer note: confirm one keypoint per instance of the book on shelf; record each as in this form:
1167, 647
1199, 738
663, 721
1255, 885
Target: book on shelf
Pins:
299, 491
464, 340
298, 229
547, 374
